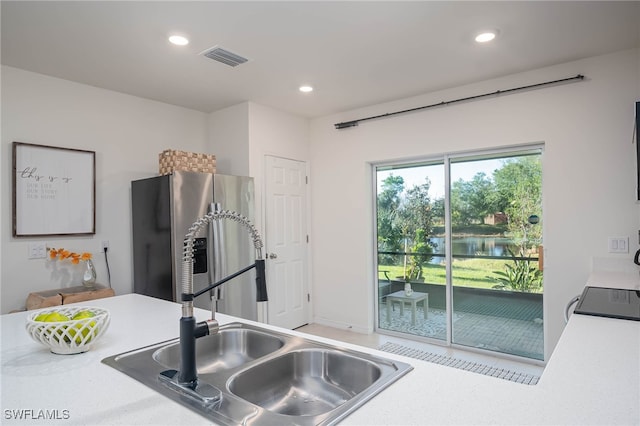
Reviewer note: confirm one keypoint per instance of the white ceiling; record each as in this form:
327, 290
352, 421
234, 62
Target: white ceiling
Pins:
354, 53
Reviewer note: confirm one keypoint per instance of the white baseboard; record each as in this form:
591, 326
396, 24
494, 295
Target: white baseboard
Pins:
342, 326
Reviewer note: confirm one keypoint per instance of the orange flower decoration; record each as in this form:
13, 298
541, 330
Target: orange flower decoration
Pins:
63, 254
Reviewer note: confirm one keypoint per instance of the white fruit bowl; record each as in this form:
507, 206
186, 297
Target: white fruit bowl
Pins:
69, 337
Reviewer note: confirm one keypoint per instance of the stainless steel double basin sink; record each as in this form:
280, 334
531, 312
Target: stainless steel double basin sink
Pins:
264, 377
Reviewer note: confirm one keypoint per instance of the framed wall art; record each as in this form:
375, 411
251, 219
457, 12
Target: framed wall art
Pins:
54, 191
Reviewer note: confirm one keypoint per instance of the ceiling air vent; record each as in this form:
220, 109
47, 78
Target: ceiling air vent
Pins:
224, 56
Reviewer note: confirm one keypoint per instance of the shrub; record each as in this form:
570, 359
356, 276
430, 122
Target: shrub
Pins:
520, 275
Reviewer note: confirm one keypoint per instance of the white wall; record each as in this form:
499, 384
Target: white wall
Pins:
589, 175
229, 139
127, 134
243, 134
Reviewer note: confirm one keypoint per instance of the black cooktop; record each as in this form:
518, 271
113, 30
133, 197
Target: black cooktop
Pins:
609, 302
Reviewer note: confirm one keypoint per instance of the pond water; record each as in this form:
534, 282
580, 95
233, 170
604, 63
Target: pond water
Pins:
483, 246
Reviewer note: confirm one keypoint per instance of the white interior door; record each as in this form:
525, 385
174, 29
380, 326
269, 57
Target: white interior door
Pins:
286, 242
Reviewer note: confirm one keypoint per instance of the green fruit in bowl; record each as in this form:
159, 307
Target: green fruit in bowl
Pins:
83, 314
53, 317
41, 317
83, 328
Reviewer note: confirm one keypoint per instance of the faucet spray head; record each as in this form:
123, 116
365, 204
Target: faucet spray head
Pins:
261, 282
187, 253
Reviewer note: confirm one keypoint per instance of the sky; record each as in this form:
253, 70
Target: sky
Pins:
416, 175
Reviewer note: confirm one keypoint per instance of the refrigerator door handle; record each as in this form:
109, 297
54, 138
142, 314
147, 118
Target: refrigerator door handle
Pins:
211, 258
216, 244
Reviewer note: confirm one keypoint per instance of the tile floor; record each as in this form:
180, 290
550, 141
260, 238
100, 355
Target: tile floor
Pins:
375, 340
495, 333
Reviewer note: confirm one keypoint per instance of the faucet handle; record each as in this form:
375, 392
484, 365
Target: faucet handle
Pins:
213, 326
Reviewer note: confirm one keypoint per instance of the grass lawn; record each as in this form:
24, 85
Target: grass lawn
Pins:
476, 273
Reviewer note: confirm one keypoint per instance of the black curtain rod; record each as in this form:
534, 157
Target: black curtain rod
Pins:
354, 123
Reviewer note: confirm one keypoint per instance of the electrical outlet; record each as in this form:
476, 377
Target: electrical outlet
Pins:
105, 244
37, 250
618, 244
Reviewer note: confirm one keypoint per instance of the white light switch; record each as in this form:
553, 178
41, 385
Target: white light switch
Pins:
37, 250
618, 244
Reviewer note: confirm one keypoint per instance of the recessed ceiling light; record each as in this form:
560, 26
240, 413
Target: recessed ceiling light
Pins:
179, 40
306, 89
485, 36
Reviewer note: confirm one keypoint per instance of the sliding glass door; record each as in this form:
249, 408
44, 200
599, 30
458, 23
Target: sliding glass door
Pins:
485, 291
410, 213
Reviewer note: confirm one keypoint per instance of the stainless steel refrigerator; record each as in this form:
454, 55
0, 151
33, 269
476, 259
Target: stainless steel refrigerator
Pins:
164, 207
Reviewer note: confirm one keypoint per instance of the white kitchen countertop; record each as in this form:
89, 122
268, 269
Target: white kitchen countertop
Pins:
593, 377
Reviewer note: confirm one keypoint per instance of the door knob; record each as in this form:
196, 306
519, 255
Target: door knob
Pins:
272, 256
